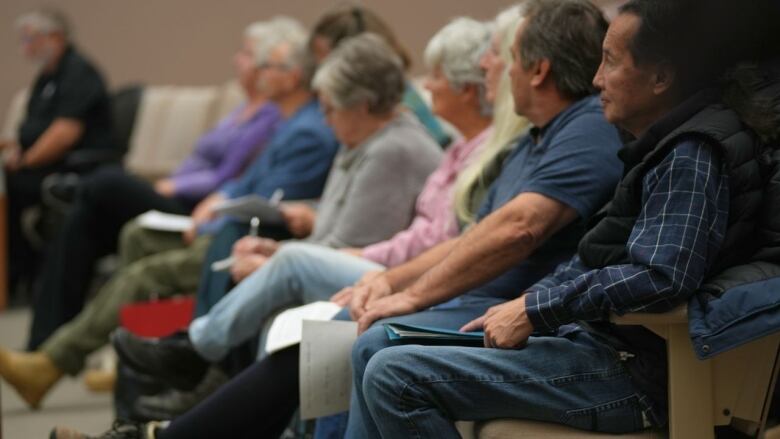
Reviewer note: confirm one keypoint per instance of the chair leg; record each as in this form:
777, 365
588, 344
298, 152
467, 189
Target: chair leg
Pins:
762, 432
3, 251
690, 389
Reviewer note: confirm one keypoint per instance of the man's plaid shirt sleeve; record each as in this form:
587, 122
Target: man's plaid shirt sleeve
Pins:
671, 247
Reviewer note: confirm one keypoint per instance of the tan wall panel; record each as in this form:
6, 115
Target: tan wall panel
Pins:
192, 41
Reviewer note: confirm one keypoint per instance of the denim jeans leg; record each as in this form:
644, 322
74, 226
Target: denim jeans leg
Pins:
375, 339
297, 274
419, 391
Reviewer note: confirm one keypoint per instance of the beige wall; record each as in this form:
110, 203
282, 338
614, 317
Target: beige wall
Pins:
192, 41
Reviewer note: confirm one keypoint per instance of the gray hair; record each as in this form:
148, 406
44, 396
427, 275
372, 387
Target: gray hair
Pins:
259, 33
569, 34
282, 30
363, 69
45, 21
456, 49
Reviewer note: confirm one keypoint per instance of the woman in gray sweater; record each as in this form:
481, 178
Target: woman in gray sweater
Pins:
384, 161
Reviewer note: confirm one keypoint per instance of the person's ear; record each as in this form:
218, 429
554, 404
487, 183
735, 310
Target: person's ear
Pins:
663, 79
540, 71
295, 78
470, 93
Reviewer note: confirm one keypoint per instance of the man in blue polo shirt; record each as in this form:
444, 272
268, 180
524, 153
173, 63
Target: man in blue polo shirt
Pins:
560, 174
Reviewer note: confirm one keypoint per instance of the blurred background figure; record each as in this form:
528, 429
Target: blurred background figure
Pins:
109, 197
350, 20
68, 109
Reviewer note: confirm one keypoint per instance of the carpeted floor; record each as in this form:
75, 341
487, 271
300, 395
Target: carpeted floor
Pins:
69, 403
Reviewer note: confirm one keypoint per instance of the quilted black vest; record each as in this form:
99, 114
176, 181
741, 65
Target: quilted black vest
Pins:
701, 117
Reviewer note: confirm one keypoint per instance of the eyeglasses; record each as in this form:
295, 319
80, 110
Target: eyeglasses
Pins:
26, 39
277, 66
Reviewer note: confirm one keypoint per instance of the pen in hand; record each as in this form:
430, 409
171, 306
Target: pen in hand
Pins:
254, 226
225, 264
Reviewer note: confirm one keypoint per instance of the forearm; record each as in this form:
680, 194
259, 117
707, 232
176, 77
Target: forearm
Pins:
596, 294
500, 241
195, 185
422, 235
58, 139
487, 250
404, 275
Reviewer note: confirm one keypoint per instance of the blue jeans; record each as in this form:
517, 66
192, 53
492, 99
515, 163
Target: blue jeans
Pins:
451, 315
214, 284
414, 391
297, 274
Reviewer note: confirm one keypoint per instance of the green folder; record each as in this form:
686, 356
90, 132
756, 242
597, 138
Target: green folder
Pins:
431, 335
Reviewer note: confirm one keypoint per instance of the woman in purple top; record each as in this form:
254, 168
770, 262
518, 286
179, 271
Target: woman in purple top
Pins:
110, 197
222, 153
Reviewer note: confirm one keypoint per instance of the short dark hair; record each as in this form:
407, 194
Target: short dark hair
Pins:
699, 39
350, 20
658, 29
569, 33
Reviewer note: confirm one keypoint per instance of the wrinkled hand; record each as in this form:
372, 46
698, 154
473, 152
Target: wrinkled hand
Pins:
391, 306
506, 326
299, 217
165, 187
12, 157
344, 297
189, 235
203, 213
246, 265
366, 292
250, 245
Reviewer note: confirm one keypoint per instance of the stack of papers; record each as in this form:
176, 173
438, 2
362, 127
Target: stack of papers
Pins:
325, 371
427, 334
164, 222
286, 329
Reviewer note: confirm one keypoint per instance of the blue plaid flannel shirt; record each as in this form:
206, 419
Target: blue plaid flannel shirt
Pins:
674, 242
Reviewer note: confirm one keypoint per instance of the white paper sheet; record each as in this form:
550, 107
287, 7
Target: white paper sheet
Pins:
325, 369
165, 222
246, 207
286, 329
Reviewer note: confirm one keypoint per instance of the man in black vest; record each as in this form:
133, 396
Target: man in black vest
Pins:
689, 194
68, 109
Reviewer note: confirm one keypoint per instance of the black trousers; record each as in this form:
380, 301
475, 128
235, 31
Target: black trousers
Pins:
24, 190
258, 403
106, 200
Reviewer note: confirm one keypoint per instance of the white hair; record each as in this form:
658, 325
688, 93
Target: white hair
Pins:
456, 50
44, 21
362, 69
258, 34
507, 20
283, 30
